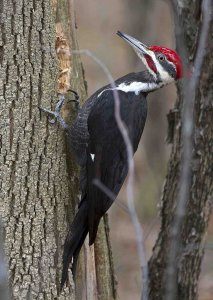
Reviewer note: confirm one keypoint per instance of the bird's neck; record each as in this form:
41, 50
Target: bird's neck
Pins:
141, 82
137, 83
138, 87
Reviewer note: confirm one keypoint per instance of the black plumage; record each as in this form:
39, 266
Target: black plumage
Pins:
98, 143
95, 131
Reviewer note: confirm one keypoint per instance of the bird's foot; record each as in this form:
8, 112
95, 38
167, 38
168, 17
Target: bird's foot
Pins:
54, 116
76, 100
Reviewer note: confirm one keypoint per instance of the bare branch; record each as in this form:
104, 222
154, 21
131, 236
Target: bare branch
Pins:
110, 194
121, 205
130, 191
187, 154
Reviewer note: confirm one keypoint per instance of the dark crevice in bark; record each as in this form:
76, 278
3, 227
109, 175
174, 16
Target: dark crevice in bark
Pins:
37, 189
11, 118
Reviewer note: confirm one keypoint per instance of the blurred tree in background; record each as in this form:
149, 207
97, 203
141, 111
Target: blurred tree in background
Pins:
190, 253
153, 23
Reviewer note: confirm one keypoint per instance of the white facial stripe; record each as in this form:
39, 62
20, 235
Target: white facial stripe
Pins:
164, 76
136, 87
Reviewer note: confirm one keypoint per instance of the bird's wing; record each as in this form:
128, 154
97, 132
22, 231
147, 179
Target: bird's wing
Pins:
106, 153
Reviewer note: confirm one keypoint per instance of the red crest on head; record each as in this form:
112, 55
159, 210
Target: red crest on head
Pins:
171, 56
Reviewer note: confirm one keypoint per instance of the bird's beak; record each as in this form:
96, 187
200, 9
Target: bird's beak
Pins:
139, 47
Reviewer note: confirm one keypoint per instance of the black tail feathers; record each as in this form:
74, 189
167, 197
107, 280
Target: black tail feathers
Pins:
74, 241
86, 220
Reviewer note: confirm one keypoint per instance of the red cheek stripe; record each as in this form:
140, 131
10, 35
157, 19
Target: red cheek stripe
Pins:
171, 56
150, 63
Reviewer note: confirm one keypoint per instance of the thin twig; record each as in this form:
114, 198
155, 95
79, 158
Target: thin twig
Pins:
187, 154
130, 190
121, 205
110, 194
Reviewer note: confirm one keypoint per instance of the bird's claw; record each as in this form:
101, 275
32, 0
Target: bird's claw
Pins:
59, 103
52, 116
55, 115
76, 100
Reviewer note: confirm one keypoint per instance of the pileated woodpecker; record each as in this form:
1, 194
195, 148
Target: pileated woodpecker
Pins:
98, 143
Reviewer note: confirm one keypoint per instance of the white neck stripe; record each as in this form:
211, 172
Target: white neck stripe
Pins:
135, 87
164, 75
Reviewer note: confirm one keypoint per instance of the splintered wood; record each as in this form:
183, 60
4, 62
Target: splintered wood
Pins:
64, 62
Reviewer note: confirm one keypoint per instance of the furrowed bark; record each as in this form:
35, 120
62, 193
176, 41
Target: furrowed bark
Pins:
38, 181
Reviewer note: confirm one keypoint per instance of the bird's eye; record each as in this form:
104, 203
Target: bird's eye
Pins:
161, 57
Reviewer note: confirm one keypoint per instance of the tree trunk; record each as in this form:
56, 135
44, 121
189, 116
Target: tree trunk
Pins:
38, 180
199, 203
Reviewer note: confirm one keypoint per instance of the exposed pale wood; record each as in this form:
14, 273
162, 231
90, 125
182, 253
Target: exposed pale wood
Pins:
38, 180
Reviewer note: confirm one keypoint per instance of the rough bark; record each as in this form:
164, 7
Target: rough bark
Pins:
38, 180
199, 205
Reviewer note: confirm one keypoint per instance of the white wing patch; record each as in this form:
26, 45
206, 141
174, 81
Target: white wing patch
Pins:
92, 156
135, 87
